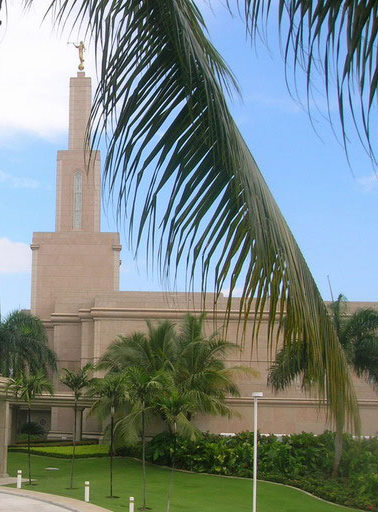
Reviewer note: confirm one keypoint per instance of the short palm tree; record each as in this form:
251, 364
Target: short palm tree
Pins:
358, 340
23, 346
110, 394
26, 388
77, 382
154, 350
200, 370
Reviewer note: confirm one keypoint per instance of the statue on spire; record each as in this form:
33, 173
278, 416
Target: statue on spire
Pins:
81, 49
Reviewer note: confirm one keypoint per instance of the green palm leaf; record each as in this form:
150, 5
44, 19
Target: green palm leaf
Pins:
23, 346
337, 37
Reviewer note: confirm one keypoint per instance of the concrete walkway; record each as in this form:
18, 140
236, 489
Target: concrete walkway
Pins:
21, 500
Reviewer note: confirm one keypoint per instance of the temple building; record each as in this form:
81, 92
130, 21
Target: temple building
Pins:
75, 291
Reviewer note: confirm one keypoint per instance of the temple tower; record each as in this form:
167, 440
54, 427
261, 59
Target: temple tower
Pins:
77, 261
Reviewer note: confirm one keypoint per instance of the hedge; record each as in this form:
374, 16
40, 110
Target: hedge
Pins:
38, 441
65, 452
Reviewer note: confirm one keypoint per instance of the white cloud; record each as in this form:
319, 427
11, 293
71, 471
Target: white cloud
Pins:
35, 65
236, 292
15, 257
17, 182
369, 183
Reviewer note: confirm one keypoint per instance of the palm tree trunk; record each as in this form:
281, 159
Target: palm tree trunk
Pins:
81, 425
171, 483
29, 461
338, 446
73, 446
144, 506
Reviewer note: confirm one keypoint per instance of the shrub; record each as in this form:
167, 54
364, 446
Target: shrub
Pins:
33, 429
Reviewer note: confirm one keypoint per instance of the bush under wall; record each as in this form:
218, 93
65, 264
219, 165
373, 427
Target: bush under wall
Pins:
302, 460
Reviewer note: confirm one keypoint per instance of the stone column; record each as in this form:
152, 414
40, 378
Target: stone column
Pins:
4, 434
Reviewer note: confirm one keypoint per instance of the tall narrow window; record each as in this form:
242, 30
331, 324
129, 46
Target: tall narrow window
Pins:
78, 200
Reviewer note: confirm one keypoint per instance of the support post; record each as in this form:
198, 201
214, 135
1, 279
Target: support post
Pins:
255, 395
19, 478
131, 504
86, 491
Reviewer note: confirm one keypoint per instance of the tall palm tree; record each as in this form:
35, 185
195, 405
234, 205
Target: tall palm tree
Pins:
176, 407
23, 346
77, 382
186, 369
143, 388
162, 103
25, 387
111, 396
358, 339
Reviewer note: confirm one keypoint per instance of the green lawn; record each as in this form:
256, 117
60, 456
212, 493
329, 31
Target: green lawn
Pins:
192, 492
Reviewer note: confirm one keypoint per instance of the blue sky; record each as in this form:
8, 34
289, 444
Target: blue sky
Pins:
330, 207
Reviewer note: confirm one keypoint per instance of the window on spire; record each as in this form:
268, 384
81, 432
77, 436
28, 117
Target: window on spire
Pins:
78, 200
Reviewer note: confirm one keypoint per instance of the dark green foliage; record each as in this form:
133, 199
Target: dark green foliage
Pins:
301, 460
23, 346
32, 428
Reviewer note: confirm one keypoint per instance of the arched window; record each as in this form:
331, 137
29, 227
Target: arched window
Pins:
78, 200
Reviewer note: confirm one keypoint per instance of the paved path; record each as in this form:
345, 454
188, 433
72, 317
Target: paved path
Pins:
20, 500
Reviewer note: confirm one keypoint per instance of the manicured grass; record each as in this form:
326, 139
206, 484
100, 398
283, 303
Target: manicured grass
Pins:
192, 492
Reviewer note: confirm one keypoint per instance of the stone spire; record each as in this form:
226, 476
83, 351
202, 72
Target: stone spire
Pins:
80, 108
78, 204
77, 262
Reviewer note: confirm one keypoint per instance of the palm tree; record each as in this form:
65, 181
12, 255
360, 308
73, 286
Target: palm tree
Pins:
143, 388
195, 363
23, 346
26, 387
110, 397
176, 407
200, 370
76, 382
162, 103
358, 339
154, 350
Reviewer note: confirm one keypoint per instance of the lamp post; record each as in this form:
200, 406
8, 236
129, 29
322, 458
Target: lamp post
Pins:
256, 395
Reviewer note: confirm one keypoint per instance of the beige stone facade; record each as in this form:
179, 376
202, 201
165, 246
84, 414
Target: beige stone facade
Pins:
75, 291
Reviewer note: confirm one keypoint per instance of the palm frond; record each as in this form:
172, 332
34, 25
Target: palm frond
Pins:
290, 363
79, 380
27, 387
109, 392
365, 361
337, 40
23, 346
